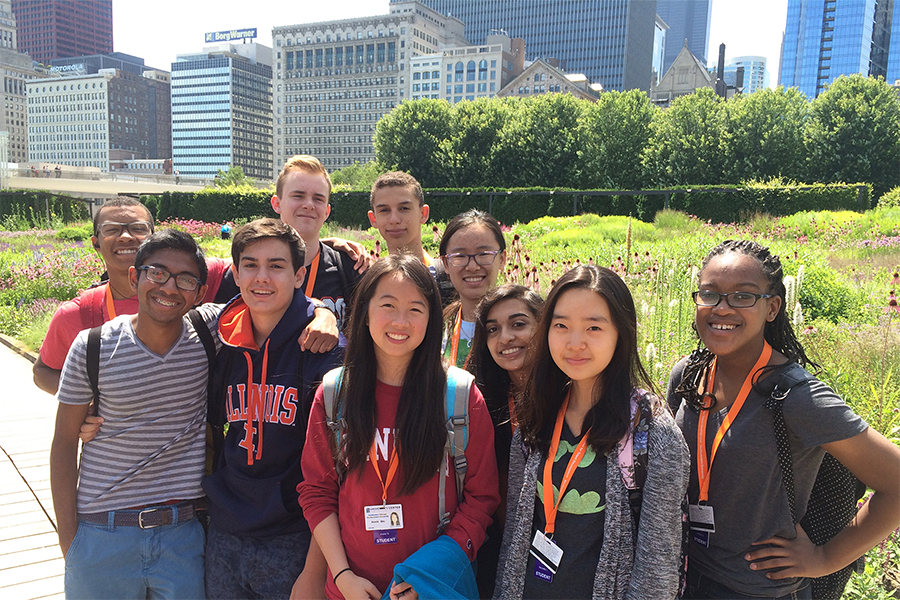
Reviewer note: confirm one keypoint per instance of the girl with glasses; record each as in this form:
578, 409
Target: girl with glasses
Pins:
745, 541
473, 252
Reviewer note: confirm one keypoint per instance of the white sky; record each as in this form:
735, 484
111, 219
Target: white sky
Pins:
157, 31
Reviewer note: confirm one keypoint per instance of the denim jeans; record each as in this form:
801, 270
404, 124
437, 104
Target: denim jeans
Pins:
105, 561
701, 587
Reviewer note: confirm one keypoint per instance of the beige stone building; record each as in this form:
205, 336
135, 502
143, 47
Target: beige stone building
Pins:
686, 75
543, 77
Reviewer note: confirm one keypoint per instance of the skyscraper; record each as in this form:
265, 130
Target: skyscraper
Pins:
16, 69
610, 41
49, 29
687, 20
756, 75
824, 39
222, 110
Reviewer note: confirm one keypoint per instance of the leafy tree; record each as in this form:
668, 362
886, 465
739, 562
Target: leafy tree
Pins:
233, 178
854, 133
408, 139
358, 176
539, 143
766, 135
615, 131
688, 142
465, 155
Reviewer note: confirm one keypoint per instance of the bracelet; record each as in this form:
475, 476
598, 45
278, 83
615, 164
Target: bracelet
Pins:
341, 572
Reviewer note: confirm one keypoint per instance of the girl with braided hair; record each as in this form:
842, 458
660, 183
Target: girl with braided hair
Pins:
744, 541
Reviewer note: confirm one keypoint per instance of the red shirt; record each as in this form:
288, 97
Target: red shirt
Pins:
320, 494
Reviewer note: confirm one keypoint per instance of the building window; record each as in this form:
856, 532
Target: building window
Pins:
482, 70
459, 71
470, 71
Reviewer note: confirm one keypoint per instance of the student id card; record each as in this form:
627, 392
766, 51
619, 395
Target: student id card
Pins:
382, 517
546, 552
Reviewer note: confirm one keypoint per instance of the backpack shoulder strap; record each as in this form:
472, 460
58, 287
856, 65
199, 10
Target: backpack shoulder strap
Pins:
632, 451
93, 366
205, 336
790, 378
336, 423
459, 386
90, 308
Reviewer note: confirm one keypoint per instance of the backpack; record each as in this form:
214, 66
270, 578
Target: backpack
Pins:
93, 354
459, 384
835, 494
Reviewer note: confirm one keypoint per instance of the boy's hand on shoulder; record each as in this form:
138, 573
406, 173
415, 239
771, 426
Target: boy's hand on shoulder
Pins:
355, 250
321, 334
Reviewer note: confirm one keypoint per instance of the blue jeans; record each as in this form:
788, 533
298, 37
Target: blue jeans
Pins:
701, 587
105, 561
246, 567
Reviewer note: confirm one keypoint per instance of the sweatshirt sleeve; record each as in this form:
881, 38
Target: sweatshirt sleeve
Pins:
319, 488
658, 548
481, 491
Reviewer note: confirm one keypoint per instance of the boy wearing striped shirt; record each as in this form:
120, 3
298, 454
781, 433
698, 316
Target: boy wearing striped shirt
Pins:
126, 522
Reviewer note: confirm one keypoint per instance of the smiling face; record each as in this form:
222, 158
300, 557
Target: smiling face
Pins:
397, 319
397, 215
582, 338
303, 203
166, 303
735, 332
118, 251
267, 279
509, 327
473, 280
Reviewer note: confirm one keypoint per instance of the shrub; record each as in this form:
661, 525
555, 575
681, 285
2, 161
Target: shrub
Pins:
75, 233
890, 199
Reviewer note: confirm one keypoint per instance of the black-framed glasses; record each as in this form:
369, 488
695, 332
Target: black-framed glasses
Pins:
482, 258
135, 228
734, 299
160, 276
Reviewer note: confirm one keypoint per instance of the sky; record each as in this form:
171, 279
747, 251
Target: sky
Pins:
157, 31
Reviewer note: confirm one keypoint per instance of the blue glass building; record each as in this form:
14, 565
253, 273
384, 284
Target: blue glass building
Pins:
824, 39
222, 111
687, 20
610, 41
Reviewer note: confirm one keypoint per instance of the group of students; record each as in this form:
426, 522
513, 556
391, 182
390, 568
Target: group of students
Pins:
497, 436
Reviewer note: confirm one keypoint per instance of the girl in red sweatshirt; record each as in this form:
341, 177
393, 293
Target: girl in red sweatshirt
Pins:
384, 506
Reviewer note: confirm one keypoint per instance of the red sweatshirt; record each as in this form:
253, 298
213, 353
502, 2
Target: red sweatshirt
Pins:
320, 494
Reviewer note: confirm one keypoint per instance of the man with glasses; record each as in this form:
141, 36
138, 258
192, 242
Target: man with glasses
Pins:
126, 518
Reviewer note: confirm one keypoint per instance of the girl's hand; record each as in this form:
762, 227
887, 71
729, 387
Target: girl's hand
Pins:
357, 588
793, 558
403, 591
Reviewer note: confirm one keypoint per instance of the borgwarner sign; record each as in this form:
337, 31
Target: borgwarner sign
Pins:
230, 36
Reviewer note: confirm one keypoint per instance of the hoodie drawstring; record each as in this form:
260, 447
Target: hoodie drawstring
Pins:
256, 404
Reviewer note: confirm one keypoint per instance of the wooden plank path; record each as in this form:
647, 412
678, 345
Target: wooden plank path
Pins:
31, 564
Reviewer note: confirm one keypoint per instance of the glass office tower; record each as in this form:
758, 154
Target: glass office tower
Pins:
687, 20
610, 41
222, 111
824, 39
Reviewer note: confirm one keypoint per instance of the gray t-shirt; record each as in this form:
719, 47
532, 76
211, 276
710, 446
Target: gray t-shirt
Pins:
746, 491
151, 447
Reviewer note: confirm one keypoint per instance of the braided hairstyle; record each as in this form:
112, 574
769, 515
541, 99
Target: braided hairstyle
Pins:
779, 332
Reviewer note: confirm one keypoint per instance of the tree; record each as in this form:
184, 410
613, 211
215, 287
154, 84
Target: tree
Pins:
615, 131
466, 155
854, 133
688, 142
357, 176
766, 135
408, 139
233, 178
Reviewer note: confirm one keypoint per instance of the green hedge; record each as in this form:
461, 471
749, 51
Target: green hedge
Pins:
27, 209
720, 204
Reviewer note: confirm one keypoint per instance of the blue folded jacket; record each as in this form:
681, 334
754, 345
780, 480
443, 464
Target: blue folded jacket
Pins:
439, 570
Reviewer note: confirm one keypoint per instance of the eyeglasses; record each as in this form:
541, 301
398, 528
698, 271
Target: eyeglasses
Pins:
160, 276
734, 299
482, 258
135, 228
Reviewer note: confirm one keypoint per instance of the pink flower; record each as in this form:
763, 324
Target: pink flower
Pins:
892, 306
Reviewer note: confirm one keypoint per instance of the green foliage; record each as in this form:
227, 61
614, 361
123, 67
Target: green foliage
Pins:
672, 223
599, 230
234, 179
467, 154
357, 176
408, 139
765, 134
76, 232
890, 199
825, 295
853, 135
614, 132
20, 210
212, 205
688, 142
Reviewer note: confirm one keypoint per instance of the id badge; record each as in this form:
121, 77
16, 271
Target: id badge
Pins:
383, 517
702, 518
546, 552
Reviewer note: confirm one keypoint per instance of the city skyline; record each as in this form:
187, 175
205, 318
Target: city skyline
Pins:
757, 31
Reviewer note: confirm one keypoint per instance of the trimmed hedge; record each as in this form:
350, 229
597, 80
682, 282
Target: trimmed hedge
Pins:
720, 204
28, 208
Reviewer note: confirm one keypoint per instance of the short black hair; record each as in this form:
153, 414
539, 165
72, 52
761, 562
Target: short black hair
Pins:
172, 239
116, 202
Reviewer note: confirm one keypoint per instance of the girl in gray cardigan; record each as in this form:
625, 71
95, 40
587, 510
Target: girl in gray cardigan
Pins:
588, 435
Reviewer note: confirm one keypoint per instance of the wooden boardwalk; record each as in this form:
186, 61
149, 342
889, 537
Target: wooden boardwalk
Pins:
31, 564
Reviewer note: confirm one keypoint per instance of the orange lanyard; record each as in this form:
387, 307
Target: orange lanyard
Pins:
454, 340
392, 470
551, 507
513, 419
110, 305
311, 278
703, 468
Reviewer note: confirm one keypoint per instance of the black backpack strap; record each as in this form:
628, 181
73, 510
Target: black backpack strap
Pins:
93, 366
205, 336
